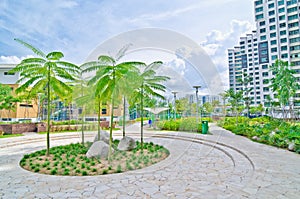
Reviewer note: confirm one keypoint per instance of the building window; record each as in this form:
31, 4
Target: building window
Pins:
271, 5
294, 40
295, 24
259, 9
273, 42
260, 16
280, 3
294, 9
294, 32
265, 74
283, 40
283, 32
274, 57
281, 10
262, 23
271, 13
295, 47
292, 17
266, 89
26, 105
9, 73
258, 2
264, 37
283, 48
272, 20
281, 17
282, 25
265, 66
272, 35
283, 56
104, 111
273, 27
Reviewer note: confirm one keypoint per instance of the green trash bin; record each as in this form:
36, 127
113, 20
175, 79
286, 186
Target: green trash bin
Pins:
204, 127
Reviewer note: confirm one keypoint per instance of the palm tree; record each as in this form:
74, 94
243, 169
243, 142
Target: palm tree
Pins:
110, 80
148, 85
45, 73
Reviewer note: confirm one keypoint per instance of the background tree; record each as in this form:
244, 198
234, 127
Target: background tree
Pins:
45, 73
235, 99
245, 80
148, 85
7, 100
284, 83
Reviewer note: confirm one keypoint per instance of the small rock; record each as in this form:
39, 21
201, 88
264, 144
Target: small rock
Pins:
272, 134
255, 138
126, 144
104, 136
291, 146
99, 149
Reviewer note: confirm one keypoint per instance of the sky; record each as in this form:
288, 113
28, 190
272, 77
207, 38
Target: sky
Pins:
77, 27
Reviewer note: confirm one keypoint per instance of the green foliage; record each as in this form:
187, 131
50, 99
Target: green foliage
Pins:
272, 132
185, 124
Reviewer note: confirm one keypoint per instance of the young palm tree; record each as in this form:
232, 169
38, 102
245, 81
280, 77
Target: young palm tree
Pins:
148, 85
45, 73
110, 80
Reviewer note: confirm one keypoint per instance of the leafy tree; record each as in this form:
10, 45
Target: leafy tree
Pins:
284, 83
45, 73
245, 80
7, 100
148, 85
235, 100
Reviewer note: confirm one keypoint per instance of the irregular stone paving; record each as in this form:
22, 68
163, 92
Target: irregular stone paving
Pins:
221, 165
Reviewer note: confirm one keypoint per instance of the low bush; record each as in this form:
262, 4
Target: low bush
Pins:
273, 132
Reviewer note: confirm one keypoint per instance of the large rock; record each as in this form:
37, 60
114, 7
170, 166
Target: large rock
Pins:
126, 144
98, 149
291, 146
104, 136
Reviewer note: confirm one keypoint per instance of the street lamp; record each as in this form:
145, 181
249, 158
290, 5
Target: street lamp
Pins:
197, 109
174, 93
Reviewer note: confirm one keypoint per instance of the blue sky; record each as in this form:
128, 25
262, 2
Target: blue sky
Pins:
76, 27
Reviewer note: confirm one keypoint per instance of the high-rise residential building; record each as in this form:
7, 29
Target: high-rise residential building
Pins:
277, 36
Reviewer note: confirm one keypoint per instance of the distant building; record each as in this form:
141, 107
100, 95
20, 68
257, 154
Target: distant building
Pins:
277, 36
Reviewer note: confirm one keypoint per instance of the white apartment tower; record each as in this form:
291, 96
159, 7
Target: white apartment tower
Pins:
277, 36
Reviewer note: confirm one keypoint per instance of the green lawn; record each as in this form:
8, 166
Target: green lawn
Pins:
10, 135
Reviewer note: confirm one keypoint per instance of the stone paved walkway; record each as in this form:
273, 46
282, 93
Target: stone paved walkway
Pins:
221, 165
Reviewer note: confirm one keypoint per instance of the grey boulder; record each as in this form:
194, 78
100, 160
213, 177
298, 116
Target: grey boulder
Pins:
99, 149
126, 144
104, 136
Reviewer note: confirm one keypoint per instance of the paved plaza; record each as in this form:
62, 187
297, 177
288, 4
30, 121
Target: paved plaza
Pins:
218, 165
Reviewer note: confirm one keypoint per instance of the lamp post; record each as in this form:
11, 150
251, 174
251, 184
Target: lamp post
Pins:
197, 106
174, 93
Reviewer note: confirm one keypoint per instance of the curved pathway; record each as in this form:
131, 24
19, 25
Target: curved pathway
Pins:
221, 165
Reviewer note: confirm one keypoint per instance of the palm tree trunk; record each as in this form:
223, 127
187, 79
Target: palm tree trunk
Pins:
48, 112
142, 118
82, 125
111, 126
99, 115
124, 117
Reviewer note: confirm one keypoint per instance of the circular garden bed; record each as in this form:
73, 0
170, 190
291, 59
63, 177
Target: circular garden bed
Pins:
70, 160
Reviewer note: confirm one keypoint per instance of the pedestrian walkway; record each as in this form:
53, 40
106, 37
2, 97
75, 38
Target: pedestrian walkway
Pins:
221, 165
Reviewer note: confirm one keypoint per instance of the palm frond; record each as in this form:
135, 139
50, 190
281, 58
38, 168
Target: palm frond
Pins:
35, 50
54, 55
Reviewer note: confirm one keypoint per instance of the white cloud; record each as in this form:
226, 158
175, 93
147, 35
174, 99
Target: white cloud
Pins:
217, 43
12, 59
